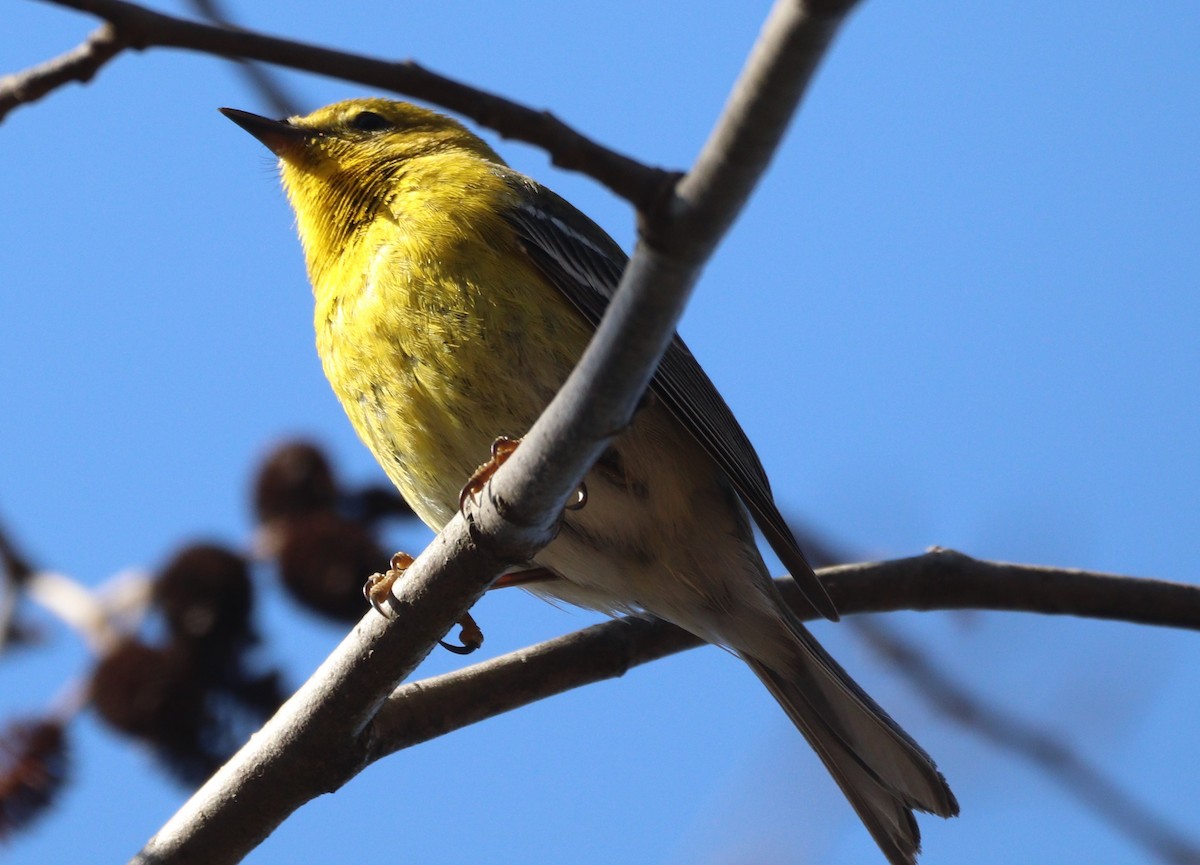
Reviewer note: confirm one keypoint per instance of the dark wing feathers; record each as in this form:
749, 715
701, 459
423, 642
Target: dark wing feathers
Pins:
584, 263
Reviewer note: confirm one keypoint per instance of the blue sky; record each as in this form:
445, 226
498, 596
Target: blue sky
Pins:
961, 310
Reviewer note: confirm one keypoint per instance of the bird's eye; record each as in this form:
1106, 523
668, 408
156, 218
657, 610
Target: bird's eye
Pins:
369, 121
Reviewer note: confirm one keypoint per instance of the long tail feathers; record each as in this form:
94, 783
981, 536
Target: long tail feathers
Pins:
882, 771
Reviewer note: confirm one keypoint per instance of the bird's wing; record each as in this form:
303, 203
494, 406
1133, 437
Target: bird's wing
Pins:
585, 264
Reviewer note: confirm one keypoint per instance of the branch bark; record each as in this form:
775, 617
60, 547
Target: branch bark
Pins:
78, 64
938, 580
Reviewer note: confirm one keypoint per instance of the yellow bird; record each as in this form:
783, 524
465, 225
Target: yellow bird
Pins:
453, 297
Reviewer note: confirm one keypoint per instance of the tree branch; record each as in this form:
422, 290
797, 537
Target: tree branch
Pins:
601, 394
1006, 729
141, 28
322, 736
948, 580
78, 64
938, 580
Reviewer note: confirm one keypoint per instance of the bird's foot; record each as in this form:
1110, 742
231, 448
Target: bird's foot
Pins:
378, 589
469, 636
503, 448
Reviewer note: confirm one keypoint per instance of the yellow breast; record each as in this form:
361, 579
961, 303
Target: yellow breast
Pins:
438, 337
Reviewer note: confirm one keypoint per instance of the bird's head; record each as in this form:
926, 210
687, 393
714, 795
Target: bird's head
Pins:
343, 164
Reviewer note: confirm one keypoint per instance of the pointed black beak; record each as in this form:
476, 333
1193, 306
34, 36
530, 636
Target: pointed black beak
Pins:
278, 135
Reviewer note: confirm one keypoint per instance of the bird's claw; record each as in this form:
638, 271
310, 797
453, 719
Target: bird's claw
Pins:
502, 448
470, 636
378, 587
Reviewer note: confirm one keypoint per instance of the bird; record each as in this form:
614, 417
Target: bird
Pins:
453, 296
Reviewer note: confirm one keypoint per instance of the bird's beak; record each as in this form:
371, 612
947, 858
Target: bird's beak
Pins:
278, 135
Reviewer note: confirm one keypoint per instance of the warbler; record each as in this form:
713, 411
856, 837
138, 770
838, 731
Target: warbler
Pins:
453, 297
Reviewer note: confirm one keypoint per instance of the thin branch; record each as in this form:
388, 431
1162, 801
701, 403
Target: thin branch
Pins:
600, 396
947, 580
937, 580
143, 28
424, 710
1047, 751
78, 64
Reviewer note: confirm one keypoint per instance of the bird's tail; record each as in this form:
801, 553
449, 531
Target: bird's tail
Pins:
882, 771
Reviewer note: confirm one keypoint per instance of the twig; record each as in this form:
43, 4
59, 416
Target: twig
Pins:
1048, 752
143, 28
937, 580
78, 64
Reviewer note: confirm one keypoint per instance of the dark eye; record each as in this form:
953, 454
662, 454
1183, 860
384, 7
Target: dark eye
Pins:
369, 121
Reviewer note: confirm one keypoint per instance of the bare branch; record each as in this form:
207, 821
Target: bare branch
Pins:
424, 710
321, 736
142, 28
1048, 752
329, 730
948, 580
600, 396
78, 64
937, 580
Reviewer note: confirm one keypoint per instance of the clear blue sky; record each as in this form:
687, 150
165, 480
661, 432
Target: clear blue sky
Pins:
961, 310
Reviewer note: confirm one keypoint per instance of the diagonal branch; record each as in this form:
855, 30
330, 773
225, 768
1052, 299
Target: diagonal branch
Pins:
600, 395
323, 735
